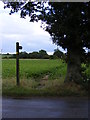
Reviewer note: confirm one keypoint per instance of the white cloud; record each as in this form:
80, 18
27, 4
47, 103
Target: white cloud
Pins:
50, 53
30, 35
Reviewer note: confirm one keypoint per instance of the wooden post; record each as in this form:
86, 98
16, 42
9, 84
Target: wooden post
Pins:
17, 62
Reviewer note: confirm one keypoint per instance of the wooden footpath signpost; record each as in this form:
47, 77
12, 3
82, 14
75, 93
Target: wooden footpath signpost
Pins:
17, 62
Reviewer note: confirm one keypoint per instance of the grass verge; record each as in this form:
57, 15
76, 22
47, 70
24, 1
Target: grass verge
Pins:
43, 88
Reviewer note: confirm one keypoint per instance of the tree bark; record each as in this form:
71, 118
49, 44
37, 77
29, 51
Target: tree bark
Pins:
73, 66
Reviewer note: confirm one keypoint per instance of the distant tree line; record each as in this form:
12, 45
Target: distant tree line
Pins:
42, 54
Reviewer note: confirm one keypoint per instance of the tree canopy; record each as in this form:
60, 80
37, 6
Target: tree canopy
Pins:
66, 22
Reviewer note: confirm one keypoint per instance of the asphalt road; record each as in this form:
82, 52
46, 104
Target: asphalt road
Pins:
45, 108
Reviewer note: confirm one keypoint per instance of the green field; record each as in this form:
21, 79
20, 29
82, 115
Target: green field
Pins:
37, 78
33, 68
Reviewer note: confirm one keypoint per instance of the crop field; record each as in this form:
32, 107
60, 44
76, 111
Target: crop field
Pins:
37, 77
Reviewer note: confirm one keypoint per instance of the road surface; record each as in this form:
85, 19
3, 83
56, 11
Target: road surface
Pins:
70, 107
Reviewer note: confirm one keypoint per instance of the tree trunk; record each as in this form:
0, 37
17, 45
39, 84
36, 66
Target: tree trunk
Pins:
73, 66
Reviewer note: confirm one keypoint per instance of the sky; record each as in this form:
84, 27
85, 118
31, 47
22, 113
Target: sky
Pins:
29, 35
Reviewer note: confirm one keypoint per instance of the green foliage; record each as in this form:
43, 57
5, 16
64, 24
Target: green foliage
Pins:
86, 75
58, 53
7, 56
23, 55
34, 55
86, 71
42, 54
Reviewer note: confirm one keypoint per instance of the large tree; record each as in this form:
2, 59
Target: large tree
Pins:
68, 25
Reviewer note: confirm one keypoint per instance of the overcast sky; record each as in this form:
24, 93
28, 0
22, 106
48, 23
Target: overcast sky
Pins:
15, 29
